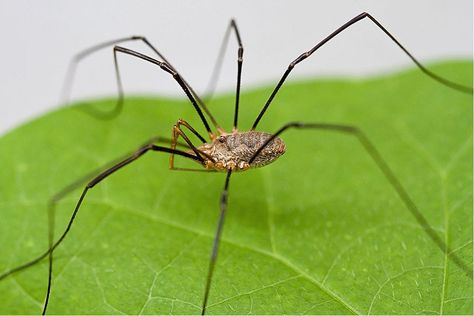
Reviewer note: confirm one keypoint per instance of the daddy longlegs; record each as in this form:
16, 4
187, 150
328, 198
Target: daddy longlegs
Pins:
228, 152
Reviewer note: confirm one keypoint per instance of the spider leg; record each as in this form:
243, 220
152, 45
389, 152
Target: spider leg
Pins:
217, 67
240, 54
217, 239
71, 187
70, 74
110, 169
211, 86
177, 131
387, 172
176, 76
354, 20
188, 126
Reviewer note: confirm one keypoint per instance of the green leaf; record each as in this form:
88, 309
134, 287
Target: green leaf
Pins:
320, 231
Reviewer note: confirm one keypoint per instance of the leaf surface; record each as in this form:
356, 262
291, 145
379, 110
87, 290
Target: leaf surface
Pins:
320, 231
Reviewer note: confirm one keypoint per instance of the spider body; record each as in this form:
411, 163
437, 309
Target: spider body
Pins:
235, 151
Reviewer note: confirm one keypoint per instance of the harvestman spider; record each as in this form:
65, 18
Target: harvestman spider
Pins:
226, 152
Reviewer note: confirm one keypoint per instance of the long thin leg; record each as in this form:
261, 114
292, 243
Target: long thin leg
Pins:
216, 70
388, 173
176, 76
240, 54
101, 176
68, 189
68, 81
354, 20
217, 239
218, 65
58, 196
74, 185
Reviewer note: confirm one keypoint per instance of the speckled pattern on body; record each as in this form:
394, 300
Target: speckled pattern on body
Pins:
234, 151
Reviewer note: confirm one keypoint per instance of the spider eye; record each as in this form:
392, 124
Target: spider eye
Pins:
221, 139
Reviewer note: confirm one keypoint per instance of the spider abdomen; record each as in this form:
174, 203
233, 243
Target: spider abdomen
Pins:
234, 151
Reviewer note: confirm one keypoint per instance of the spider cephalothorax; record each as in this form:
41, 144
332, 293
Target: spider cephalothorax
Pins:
235, 151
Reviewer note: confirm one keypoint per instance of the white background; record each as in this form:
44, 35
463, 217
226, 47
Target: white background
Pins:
38, 38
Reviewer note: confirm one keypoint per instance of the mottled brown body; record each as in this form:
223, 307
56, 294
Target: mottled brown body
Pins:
234, 151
